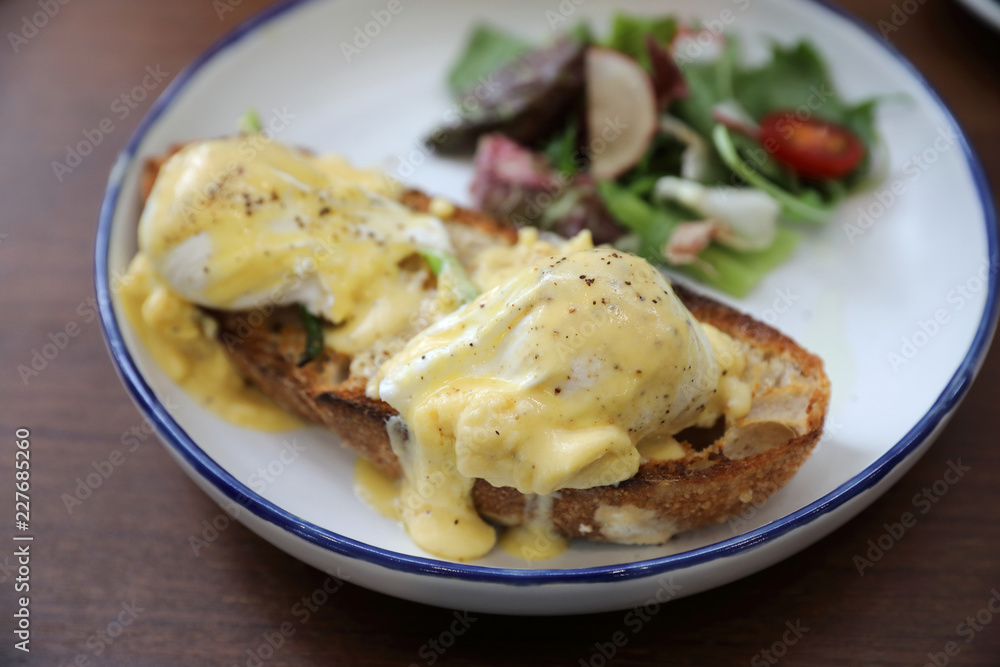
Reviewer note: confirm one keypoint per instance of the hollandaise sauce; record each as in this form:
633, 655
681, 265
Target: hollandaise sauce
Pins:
536, 539
182, 341
376, 489
547, 382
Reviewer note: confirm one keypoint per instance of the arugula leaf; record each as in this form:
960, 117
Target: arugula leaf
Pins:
764, 163
314, 336
628, 35
663, 157
487, 50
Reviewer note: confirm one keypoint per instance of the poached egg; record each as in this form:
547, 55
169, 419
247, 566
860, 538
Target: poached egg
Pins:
551, 380
238, 225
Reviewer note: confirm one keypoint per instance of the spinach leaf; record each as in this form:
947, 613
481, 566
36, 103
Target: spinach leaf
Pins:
314, 336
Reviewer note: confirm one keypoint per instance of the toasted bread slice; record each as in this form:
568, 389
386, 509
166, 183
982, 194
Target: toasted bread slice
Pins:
722, 473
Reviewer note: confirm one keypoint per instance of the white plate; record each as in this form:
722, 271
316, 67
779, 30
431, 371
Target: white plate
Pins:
853, 303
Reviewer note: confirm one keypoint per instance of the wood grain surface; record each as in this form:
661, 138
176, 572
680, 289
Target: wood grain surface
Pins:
123, 555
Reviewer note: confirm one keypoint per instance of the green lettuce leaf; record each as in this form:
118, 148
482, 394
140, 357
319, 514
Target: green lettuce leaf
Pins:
709, 85
795, 77
735, 272
628, 35
487, 50
652, 224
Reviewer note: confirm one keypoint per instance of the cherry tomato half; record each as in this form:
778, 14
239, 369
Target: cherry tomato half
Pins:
812, 148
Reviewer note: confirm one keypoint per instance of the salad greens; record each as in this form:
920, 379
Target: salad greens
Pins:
488, 50
778, 129
731, 271
796, 78
526, 97
628, 35
808, 206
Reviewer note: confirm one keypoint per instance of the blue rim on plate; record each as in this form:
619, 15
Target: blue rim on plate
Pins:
182, 443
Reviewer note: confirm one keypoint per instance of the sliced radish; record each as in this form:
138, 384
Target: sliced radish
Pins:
621, 112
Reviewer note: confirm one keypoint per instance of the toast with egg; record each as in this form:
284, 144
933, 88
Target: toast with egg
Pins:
719, 475
704, 476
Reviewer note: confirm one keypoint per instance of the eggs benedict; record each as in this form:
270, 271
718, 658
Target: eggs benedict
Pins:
495, 379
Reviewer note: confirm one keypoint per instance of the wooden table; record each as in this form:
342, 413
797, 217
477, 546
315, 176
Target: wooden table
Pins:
123, 555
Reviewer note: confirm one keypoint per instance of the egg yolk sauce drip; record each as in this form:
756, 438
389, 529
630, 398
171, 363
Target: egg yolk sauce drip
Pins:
549, 381
236, 231
181, 339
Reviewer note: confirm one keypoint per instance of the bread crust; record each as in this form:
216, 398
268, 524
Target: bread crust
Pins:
721, 478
